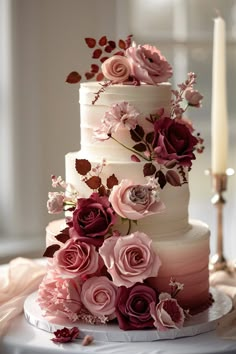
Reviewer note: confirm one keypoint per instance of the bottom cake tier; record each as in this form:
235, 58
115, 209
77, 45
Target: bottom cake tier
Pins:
184, 257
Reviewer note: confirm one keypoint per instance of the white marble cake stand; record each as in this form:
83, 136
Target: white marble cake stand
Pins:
203, 322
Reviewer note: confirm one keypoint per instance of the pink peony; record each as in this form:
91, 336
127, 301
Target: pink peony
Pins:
167, 313
116, 68
59, 298
173, 141
134, 201
121, 115
92, 218
65, 335
193, 97
148, 65
55, 202
76, 258
133, 306
130, 259
99, 296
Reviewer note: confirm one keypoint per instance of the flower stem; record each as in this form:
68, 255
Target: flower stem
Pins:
130, 149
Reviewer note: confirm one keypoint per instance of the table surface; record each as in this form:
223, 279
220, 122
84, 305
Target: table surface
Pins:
22, 338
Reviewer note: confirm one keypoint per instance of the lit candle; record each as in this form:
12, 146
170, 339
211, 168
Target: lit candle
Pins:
219, 130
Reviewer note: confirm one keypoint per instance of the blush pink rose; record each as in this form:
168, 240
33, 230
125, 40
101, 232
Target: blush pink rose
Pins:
99, 296
76, 258
59, 298
148, 65
167, 313
193, 97
135, 201
116, 68
130, 259
55, 202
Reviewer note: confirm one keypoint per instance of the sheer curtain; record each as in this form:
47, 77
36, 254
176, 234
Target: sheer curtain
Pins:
41, 42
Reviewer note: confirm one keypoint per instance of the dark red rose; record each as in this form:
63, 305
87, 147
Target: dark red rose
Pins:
65, 335
92, 218
173, 141
133, 306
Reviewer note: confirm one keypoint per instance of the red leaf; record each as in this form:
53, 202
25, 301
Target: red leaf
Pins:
50, 250
122, 44
89, 75
102, 41
102, 190
103, 59
161, 179
141, 147
119, 53
173, 178
91, 42
73, 78
149, 169
135, 158
94, 182
112, 181
137, 133
82, 166
94, 68
150, 137
108, 49
97, 53
63, 236
100, 77
112, 44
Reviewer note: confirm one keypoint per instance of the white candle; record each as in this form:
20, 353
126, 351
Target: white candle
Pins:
219, 131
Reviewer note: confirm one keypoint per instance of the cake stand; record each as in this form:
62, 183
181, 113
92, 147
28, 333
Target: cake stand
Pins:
203, 322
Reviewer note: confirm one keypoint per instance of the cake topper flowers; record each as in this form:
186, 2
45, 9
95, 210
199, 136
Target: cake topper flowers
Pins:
131, 63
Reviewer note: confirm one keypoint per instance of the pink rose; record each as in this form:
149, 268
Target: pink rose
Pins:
148, 65
133, 306
135, 201
99, 296
116, 69
77, 258
130, 259
92, 218
59, 298
55, 202
167, 313
173, 142
193, 97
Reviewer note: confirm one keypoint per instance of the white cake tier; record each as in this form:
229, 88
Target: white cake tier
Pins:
173, 220
146, 99
184, 258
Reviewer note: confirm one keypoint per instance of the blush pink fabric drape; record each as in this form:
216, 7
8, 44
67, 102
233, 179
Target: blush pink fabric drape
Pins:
17, 281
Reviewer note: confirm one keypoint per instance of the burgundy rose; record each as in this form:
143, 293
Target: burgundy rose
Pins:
173, 141
92, 218
133, 307
65, 335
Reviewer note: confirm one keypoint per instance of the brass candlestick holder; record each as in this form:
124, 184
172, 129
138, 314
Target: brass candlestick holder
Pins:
219, 183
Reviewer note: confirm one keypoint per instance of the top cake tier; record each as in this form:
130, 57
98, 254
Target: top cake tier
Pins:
147, 99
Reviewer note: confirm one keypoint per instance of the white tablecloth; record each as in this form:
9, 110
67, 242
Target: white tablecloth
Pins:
23, 338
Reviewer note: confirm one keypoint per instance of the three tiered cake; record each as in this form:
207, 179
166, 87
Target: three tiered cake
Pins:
127, 250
